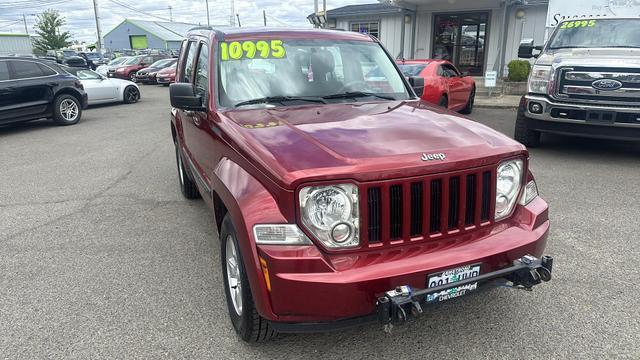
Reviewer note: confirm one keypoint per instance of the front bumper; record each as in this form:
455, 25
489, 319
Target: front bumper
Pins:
589, 120
310, 287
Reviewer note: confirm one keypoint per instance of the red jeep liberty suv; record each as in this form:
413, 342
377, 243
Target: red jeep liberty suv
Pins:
341, 199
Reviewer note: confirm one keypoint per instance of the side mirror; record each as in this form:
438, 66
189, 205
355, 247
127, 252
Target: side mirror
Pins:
183, 96
417, 83
464, 73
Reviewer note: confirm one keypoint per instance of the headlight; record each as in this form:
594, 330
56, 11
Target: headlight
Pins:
539, 79
330, 213
508, 184
279, 234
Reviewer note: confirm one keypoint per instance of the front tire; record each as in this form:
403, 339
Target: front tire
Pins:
444, 102
131, 95
523, 134
66, 110
132, 77
248, 324
188, 188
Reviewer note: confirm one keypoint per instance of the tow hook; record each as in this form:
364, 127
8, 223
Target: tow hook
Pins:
395, 306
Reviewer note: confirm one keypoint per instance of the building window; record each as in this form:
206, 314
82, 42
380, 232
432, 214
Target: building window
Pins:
371, 28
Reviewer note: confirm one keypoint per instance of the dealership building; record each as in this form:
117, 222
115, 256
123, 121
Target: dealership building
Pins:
476, 35
144, 34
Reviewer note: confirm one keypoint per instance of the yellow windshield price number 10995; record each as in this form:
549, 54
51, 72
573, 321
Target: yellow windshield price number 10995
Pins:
262, 49
577, 24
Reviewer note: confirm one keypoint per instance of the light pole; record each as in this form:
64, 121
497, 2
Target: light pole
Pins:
208, 21
95, 10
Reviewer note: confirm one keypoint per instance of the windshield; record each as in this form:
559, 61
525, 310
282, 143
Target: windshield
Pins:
596, 33
412, 69
118, 61
306, 68
133, 61
87, 75
93, 56
69, 53
162, 63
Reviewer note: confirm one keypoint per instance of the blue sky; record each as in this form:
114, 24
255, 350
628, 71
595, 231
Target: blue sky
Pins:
81, 23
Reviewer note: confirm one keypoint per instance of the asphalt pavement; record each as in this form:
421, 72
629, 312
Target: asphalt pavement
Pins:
101, 257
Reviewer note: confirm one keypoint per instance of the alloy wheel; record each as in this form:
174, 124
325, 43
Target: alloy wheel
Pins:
69, 109
234, 280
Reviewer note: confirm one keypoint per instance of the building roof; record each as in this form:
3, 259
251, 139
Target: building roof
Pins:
365, 9
167, 31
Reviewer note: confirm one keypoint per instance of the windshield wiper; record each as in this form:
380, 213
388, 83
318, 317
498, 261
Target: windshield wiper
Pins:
280, 99
356, 94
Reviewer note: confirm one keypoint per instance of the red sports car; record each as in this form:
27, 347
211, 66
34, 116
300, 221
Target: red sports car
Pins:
444, 85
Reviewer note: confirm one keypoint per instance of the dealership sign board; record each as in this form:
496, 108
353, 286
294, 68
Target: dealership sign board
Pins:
560, 10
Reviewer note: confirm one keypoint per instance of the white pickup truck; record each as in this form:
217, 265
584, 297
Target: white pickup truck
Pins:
585, 82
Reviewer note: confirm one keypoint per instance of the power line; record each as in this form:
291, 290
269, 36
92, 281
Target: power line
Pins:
137, 10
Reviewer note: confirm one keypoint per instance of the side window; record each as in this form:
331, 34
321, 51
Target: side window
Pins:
451, 71
202, 73
188, 61
441, 71
46, 71
148, 60
25, 70
4, 71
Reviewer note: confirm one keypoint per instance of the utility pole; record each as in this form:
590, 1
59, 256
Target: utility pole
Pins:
95, 11
315, 11
264, 17
170, 13
232, 19
208, 21
24, 20
238, 16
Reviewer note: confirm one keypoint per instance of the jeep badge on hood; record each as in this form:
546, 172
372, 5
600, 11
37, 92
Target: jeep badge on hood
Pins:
429, 157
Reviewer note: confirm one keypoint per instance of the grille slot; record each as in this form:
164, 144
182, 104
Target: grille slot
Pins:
395, 211
486, 194
454, 199
374, 200
416, 208
470, 209
436, 205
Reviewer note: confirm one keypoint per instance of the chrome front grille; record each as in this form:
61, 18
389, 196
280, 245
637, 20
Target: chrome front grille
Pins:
575, 84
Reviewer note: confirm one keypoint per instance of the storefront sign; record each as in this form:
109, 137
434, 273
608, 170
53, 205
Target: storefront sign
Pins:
560, 10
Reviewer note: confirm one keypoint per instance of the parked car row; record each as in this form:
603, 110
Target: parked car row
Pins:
32, 89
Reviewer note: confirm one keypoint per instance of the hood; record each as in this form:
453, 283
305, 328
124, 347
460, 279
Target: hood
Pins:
608, 57
120, 82
364, 141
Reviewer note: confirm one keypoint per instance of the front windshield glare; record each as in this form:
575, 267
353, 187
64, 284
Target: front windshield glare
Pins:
306, 68
133, 61
596, 33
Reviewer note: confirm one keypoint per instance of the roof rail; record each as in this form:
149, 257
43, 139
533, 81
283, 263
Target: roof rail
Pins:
219, 34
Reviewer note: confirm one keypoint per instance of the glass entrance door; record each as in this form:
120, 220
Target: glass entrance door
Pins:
460, 38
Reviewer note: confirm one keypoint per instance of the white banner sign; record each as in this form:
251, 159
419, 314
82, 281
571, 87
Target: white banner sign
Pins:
560, 10
490, 78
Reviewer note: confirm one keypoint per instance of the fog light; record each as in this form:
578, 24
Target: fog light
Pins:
502, 203
341, 232
535, 108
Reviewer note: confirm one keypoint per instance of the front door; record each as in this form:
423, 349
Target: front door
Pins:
461, 39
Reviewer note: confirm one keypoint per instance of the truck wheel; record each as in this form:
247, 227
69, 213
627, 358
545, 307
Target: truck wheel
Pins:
469, 107
522, 133
187, 186
249, 325
66, 110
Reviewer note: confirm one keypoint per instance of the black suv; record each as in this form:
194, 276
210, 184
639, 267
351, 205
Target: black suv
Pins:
32, 89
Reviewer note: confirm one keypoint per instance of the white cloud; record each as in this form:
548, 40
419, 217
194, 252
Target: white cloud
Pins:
81, 23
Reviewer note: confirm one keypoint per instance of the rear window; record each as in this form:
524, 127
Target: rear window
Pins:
25, 70
412, 69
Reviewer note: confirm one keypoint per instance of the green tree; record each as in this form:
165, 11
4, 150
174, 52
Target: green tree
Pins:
48, 29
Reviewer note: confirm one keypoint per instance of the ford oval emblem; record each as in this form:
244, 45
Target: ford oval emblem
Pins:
606, 84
